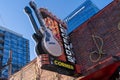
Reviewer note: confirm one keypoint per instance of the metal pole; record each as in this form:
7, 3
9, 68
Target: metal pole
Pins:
10, 64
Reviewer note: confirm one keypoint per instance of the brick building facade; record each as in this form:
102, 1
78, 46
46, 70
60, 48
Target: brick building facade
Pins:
98, 39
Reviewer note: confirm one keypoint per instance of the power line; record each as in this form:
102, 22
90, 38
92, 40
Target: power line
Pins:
2, 21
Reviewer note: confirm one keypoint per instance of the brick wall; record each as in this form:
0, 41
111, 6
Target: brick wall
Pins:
99, 35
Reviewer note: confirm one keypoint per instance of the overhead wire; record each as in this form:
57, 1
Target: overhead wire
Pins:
2, 21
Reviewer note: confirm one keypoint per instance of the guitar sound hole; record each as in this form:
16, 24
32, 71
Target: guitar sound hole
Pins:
51, 43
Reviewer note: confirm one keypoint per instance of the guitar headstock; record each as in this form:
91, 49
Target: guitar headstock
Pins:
33, 5
27, 10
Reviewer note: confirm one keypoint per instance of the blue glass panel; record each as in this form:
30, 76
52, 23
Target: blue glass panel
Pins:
80, 15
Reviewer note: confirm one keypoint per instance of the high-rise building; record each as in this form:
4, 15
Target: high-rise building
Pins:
86, 10
19, 47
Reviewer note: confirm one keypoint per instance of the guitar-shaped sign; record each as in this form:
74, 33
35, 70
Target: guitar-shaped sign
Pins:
49, 43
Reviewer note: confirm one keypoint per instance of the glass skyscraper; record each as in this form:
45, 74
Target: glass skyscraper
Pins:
19, 46
86, 10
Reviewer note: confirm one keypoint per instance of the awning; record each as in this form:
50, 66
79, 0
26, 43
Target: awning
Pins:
104, 73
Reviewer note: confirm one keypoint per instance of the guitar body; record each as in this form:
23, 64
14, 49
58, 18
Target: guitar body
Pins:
50, 44
38, 48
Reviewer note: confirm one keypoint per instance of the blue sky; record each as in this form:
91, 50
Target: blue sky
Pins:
13, 17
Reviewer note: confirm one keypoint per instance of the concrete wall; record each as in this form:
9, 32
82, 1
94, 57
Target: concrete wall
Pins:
32, 71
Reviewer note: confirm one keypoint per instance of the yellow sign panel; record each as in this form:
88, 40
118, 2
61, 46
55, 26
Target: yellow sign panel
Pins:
62, 64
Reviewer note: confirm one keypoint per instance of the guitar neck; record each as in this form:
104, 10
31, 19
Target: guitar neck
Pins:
29, 13
38, 15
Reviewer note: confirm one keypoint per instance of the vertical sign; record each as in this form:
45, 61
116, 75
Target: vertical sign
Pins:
59, 33
65, 63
